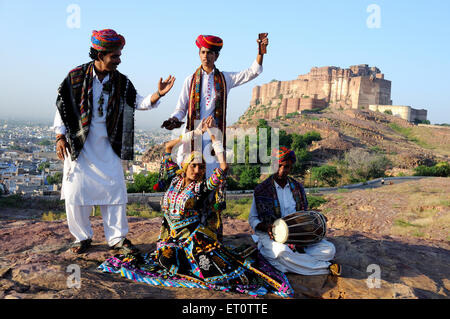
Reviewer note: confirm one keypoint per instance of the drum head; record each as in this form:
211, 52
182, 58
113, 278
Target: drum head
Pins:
280, 231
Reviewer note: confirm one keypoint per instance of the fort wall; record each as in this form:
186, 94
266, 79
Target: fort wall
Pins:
355, 87
405, 112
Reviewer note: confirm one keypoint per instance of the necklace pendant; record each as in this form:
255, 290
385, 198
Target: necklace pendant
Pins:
101, 100
100, 111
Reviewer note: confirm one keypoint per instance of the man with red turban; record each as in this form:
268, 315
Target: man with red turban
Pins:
205, 93
94, 123
278, 196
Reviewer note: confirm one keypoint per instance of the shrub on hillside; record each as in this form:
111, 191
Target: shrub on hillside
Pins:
441, 169
327, 174
363, 165
315, 201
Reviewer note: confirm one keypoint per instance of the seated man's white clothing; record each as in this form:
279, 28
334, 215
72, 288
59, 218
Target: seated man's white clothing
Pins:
314, 259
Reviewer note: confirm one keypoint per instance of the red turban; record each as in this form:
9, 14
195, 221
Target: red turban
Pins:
283, 154
210, 42
107, 40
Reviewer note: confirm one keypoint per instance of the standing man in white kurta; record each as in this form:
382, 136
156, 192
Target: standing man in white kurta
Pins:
94, 124
278, 196
205, 93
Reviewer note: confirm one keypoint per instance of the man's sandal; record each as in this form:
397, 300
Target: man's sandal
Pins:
80, 247
125, 246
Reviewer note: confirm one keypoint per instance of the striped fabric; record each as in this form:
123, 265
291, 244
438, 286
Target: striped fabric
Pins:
107, 40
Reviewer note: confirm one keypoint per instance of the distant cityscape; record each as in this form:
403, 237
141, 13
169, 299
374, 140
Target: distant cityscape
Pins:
29, 165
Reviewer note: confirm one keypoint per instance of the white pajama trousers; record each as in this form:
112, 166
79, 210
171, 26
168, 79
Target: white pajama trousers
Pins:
114, 217
315, 260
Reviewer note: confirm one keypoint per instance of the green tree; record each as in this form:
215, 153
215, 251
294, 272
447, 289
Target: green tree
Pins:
441, 169
303, 157
249, 177
55, 179
43, 166
143, 183
301, 141
327, 174
311, 136
246, 176
285, 139
298, 142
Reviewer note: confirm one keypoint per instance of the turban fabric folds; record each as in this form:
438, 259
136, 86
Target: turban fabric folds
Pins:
283, 154
210, 42
193, 157
107, 40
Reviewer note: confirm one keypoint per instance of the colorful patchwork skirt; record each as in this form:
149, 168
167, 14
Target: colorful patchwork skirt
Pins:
199, 260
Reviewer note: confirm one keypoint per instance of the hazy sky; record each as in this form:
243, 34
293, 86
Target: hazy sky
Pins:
42, 40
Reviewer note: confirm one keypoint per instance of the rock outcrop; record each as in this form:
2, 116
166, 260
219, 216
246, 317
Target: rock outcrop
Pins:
35, 263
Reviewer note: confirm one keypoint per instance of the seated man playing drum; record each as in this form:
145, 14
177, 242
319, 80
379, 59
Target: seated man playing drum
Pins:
279, 196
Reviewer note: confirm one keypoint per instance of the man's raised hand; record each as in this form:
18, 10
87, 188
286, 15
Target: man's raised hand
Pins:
165, 86
263, 42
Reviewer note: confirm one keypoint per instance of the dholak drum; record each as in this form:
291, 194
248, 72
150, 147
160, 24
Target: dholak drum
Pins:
300, 228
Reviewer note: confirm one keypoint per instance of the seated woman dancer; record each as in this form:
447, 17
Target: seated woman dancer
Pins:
188, 253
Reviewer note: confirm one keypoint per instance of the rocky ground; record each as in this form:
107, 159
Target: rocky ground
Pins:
34, 259
418, 209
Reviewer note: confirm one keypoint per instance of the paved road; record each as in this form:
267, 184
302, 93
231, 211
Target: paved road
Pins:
379, 182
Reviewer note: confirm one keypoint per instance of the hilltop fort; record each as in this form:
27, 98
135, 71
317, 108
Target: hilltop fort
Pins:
358, 87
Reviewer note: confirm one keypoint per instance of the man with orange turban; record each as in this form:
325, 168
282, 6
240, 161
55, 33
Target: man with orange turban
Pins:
94, 123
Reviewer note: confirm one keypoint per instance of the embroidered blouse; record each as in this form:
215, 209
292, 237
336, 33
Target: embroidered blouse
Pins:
183, 206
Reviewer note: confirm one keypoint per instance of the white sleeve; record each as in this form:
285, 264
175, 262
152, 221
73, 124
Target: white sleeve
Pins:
253, 219
58, 124
144, 104
182, 104
239, 78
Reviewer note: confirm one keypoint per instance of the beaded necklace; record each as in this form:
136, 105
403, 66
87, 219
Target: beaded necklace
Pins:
107, 88
178, 197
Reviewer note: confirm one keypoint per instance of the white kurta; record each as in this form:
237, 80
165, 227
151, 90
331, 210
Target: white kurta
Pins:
315, 260
207, 103
96, 176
